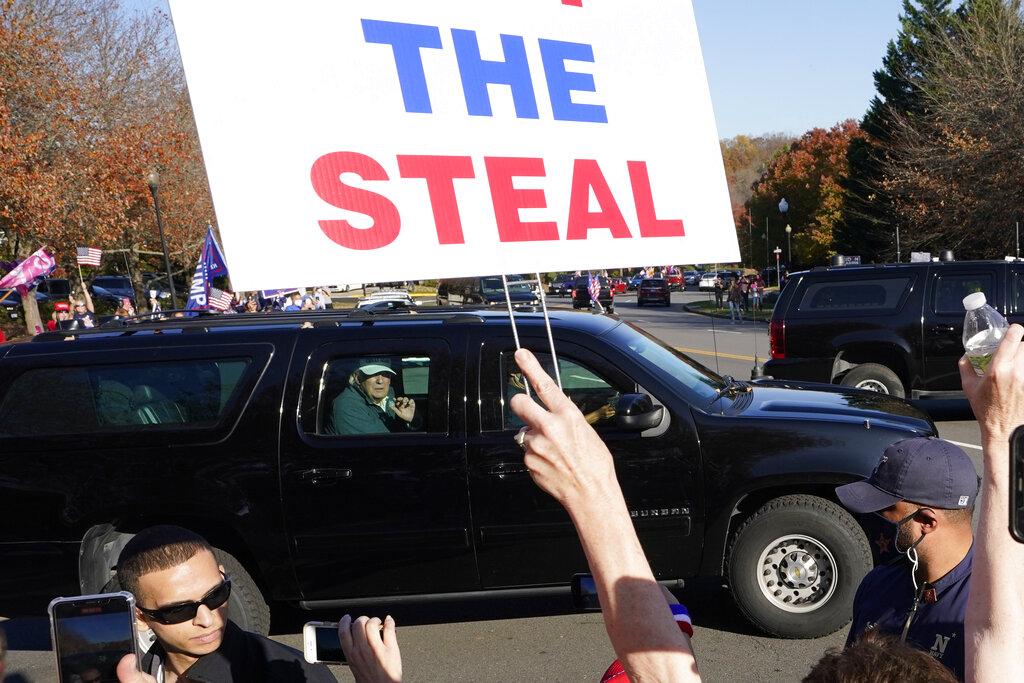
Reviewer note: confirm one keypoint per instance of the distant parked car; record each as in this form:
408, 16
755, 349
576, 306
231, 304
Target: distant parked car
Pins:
707, 281
654, 290
112, 288
49, 290
691, 278
561, 285
386, 306
387, 295
581, 293
635, 281
674, 278
618, 285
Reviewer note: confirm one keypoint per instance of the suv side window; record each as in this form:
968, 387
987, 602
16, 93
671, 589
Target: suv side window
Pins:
134, 397
950, 290
592, 393
1017, 289
381, 394
854, 295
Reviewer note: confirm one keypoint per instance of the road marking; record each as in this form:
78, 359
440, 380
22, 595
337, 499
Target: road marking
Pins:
721, 354
965, 445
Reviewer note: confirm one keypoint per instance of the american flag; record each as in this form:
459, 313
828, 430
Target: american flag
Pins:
219, 299
89, 256
594, 287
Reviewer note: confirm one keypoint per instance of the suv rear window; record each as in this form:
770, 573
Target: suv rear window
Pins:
856, 295
179, 395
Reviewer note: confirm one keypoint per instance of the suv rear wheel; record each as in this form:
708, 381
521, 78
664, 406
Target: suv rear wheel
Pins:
874, 377
795, 565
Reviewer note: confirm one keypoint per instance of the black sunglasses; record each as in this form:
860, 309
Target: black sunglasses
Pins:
176, 614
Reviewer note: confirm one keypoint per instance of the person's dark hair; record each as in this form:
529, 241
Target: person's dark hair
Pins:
878, 658
155, 549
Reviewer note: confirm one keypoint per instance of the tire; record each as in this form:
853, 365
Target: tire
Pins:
246, 606
874, 377
836, 556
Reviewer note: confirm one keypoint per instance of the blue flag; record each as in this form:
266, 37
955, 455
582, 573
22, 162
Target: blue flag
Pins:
211, 264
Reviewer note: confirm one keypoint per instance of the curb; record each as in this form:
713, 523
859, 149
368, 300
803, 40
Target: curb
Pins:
690, 308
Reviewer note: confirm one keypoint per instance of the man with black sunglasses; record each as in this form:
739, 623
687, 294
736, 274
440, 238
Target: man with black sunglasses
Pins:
926, 488
181, 593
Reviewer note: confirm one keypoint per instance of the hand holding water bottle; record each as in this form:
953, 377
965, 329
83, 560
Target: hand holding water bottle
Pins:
984, 328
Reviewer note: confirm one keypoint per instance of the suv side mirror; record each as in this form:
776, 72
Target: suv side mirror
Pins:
637, 412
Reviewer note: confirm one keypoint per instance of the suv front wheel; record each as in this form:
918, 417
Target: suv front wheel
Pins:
874, 377
795, 565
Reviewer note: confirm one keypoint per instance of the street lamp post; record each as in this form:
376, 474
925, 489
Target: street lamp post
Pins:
153, 180
789, 247
778, 273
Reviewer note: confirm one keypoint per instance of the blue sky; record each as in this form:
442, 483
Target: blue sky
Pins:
791, 65
784, 65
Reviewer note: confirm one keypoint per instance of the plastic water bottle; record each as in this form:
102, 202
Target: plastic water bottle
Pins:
984, 328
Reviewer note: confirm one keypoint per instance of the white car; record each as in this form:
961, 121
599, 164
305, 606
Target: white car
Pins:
388, 295
707, 281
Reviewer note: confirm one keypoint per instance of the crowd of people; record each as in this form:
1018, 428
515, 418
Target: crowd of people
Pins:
741, 294
949, 608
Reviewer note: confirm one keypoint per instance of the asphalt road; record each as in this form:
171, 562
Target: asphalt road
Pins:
535, 639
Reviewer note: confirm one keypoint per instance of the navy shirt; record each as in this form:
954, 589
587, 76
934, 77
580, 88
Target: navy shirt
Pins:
885, 599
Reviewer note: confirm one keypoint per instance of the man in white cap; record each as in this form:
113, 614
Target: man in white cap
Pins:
368, 404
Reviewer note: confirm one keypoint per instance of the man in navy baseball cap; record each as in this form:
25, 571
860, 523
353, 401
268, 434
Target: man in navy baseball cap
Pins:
927, 488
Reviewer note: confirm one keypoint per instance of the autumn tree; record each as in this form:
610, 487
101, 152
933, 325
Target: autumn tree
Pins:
870, 217
93, 98
809, 175
954, 171
745, 159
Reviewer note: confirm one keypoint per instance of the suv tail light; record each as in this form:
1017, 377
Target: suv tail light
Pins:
777, 339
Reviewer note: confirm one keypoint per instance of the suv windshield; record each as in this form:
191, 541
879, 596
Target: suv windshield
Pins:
117, 282
695, 382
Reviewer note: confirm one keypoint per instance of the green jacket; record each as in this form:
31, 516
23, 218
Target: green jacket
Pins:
353, 412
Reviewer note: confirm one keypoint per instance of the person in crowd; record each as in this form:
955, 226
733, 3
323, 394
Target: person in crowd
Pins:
251, 305
293, 303
154, 302
878, 657
85, 312
128, 307
927, 488
61, 313
994, 621
368, 404
735, 299
745, 291
308, 304
181, 593
323, 299
756, 291
719, 291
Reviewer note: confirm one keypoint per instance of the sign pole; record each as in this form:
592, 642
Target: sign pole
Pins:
547, 325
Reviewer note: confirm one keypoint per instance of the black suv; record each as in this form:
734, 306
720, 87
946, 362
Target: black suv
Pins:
894, 328
561, 285
581, 293
654, 290
236, 426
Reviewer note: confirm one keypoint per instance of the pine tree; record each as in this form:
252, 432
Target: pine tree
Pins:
869, 222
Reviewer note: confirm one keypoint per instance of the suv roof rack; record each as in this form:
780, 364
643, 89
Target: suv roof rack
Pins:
204, 321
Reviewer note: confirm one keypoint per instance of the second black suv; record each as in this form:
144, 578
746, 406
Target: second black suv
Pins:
893, 328
581, 297
239, 427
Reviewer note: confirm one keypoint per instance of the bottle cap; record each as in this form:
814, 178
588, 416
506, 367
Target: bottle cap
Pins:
974, 301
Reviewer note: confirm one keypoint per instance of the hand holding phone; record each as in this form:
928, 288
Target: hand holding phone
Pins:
91, 634
320, 643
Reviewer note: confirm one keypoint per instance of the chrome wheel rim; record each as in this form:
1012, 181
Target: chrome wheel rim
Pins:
797, 573
872, 385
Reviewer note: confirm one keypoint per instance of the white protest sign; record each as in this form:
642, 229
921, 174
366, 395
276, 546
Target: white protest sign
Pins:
373, 140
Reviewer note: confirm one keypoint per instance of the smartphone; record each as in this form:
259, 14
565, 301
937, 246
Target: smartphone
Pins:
1017, 485
321, 643
584, 593
90, 635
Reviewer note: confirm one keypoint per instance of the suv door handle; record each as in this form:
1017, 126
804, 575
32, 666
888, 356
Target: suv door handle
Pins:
323, 475
504, 469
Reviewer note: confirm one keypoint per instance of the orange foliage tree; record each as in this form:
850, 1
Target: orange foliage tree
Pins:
809, 176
